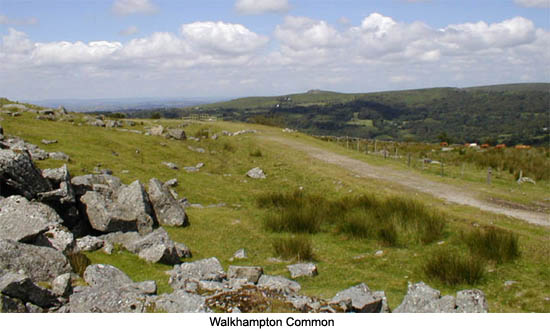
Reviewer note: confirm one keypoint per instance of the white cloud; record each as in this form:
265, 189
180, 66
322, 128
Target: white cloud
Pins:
17, 21
220, 58
129, 31
301, 33
255, 7
222, 37
130, 7
533, 3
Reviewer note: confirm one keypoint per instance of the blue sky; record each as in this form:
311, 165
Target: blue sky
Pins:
186, 48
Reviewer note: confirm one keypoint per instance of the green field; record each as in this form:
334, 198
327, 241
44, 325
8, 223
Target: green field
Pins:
343, 260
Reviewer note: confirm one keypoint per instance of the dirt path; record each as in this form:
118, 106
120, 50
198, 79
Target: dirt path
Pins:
444, 191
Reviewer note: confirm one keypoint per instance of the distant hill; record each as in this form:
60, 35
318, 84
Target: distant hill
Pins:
512, 113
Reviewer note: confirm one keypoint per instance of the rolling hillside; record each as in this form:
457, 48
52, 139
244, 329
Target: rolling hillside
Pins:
510, 114
228, 211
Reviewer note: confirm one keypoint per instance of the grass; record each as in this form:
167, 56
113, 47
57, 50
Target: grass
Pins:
296, 247
79, 262
343, 259
452, 268
256, 153
493, 244
392, 220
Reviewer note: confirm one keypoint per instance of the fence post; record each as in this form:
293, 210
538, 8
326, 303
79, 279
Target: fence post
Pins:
347, 142
489, 173
442, 170
375, 149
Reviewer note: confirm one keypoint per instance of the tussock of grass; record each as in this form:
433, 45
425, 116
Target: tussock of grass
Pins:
79, 262
299, 248
228, 147
391, 221
256, 153
493, 244
453, 269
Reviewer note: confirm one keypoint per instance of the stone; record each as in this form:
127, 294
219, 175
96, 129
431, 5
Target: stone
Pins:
421, 298
300, 303
21, 287
240, 254
61, 285
83, 184
210, 286
180, 302
191, 169
62, 196
57, 237
22, 220
102, 275
108, 299
58, 156
250, 274
205, 269
135, 202
302, 270
156, 130
182, 250
358, 299
124, 239
160, 254
131, 211
47, 111
97, 122
278, 283
177, 134
167, 209
39, 263
471, 301
171, 165
379, 253
19, 175
89, 244
171, 183
156, 247
113, 124
382, 295
256, 173
49, 142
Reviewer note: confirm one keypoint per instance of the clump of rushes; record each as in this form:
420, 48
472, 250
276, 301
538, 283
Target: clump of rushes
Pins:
256, 153
393, 221
452, 268
79, 262
296, 247
493, 244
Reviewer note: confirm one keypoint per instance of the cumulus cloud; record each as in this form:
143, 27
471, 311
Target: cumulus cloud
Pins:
227, 59
130, 7
222, 37
17, 21
129, 31
256, 7
305, 33
533, 3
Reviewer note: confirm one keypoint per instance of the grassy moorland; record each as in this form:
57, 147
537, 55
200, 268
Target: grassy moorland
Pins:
346, 219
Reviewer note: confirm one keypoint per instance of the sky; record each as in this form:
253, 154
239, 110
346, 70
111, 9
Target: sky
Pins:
229, 48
